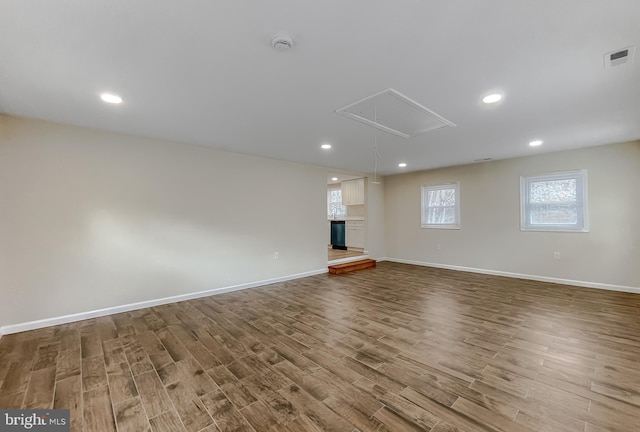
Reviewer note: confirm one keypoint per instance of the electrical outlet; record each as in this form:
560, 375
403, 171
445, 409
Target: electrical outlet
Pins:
276, 256
438, 247
556, 255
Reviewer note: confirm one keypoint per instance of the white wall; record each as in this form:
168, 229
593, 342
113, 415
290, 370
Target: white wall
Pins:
491, 239
91, 220
375, 240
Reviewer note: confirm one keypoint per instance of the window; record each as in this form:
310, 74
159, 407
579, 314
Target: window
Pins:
334, 204
441, 206
554, 202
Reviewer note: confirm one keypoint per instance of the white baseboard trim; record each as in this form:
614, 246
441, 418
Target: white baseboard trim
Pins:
33, 325
584, 284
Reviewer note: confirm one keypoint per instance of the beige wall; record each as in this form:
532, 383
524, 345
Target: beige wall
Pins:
375, 241
491, 239
92, 220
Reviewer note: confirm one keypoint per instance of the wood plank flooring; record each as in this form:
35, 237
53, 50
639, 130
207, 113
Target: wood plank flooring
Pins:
336, 254
395, 348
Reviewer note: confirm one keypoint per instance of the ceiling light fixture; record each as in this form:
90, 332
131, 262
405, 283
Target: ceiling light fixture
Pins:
535, 143
376, 156
376, 153
334, 178
325, 146
492, 98
402, 165
110, 98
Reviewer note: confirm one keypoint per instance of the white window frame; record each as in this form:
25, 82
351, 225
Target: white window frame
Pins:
582, 224
338, 215
425, 210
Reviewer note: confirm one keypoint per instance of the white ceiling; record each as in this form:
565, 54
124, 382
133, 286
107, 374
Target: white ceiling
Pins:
205, 73
339, 176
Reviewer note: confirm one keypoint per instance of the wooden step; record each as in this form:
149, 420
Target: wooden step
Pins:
352, 266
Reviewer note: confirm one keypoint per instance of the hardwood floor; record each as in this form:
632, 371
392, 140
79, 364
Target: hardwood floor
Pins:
336, 254
395, 348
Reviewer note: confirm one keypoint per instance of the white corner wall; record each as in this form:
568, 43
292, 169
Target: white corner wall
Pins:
490, 241
375, 218
92, 220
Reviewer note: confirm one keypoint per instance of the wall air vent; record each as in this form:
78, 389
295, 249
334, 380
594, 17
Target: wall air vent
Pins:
393, 112
619, 57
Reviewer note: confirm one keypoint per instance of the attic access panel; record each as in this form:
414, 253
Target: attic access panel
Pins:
393, 112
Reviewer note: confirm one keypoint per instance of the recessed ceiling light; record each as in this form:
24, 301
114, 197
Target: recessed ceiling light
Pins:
111, 98
334, 178
492, 98
325, 146
402, 164
535, 143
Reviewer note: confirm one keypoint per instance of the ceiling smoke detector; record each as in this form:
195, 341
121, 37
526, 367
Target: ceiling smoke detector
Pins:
282, 42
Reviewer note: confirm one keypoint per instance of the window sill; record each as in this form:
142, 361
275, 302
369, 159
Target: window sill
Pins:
547, 229
448, 227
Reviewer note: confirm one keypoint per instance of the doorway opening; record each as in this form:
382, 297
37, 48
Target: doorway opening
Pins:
345, 220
